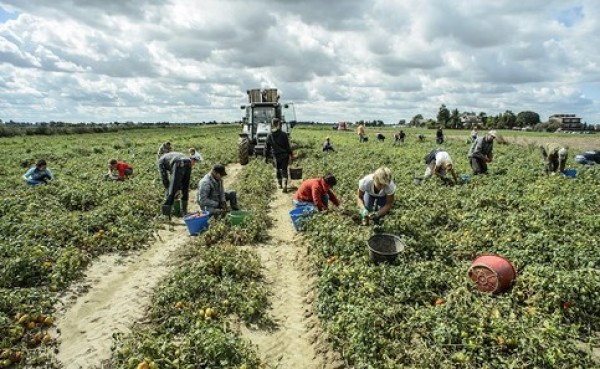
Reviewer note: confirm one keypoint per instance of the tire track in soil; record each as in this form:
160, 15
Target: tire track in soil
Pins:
115, 293
297, 341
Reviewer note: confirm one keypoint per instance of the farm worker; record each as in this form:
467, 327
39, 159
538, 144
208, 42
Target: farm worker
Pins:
439, 163
421, 138
317, 192
588, 157
439, 136
375, 194
327, 146
165, 148
39, 174
473, 134
278, 145
179, 167
123, 170
399, 137
360, 131
481, 153
555, 156
380, 137
195, 156
212, 196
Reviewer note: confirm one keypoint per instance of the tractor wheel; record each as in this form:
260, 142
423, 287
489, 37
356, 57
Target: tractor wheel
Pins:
244, 150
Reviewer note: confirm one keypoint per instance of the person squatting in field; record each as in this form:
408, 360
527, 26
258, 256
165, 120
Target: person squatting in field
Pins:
178, 167
278, 147
195, 156
555, 157
165, 148
123, 169
399, 137
211, 195
438, 162
375, 195
588, 158
327, 146
481, 153
38, 174
317, 192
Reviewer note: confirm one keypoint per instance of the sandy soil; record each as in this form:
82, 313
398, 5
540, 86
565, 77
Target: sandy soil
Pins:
116, 293
297, 342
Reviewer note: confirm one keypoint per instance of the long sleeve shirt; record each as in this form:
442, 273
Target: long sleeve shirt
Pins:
313, 190
210, 192
482, 148
163, 149
278, 144
121, 168
38, 175
165, 165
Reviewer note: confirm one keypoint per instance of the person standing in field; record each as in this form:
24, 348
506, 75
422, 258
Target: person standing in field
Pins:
439, 163
360, 131
195, 156
123, 169
554, 156
481, 153
175, 170
439, 136
39, 174
278, 146
165, 148
375, 195
473, 134
317, 192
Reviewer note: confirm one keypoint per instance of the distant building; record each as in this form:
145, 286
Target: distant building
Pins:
470, 119
568, 122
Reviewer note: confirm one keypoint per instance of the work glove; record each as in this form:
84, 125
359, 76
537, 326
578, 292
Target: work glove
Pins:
364, 212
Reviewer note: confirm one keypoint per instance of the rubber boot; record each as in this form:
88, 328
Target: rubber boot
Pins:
285, 186
184, 206
279, 182
166, 211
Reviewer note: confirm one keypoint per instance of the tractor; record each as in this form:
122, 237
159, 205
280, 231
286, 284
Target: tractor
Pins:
263, 106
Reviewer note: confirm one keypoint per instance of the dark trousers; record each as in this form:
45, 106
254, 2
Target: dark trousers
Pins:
479, 166
281, 164
180, 181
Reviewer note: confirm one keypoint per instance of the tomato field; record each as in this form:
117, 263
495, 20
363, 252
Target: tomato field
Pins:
421, 311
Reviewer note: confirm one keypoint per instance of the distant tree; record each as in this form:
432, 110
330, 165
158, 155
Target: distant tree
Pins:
400, 122
509, 118
527, 119
443, 115
416, 121
482, 118
454, 121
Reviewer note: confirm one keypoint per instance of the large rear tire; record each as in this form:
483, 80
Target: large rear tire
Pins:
244, 150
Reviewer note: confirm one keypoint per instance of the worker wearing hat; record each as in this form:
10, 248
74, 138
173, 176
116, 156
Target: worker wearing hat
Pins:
212, 196
482, 152
554, 156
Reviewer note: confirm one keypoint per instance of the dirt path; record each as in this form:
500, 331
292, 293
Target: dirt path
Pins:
297, 342
115, 293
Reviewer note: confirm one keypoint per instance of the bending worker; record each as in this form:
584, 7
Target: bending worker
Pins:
317, 192
481, 153
375, 195
212, 196
555, 157
123, 169
179, 167
439, 163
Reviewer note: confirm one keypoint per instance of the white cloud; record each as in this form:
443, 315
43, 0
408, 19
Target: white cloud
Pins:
150, 60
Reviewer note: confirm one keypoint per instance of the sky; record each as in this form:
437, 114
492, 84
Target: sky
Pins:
350, 60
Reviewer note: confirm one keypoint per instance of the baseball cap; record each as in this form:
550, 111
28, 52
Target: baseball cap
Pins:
219, 168
492, 133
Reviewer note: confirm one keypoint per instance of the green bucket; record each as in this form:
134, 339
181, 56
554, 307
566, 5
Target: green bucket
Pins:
177, 208
237, 217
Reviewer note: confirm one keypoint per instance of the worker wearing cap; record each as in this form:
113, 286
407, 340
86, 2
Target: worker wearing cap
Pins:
439, 163
555, 156
481, 153
178, 167
212, 196
317, 192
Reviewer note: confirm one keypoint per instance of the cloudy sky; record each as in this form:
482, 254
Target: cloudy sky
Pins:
193, 60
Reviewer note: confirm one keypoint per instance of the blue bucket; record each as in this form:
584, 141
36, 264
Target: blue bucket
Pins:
196, 222
300, 213
465, 178
571, 173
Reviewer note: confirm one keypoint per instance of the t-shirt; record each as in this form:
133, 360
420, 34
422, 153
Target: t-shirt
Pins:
368, 186
442, 158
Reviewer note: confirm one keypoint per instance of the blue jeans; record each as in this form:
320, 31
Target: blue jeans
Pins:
324, 198
373, 203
